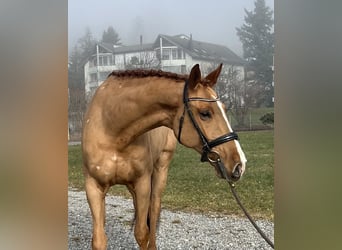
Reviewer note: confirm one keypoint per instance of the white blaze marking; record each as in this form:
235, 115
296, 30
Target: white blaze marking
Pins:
220, 105
237, 144
242, 156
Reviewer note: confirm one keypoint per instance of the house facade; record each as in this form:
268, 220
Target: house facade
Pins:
175, 54
109, 57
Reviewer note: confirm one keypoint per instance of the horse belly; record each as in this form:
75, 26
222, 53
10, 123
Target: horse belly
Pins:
162, 139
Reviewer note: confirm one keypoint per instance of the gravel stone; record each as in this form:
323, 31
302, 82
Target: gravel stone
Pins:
177, 230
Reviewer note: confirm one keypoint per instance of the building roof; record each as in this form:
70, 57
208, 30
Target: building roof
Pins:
126, 49
203, 50
196, 49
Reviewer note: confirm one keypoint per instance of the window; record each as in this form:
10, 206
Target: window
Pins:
174, 69
103, 75
183, 69
174, 54
166, 54
180, 54
104, 60
134, 60
94, 62
93, 77
203, 51
93, 89
158, 53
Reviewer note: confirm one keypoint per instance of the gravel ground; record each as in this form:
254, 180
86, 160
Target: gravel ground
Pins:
177, 230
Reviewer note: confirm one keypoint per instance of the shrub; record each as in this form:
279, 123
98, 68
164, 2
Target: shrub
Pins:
267, 119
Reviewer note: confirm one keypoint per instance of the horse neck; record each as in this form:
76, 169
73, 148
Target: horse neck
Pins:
142, 106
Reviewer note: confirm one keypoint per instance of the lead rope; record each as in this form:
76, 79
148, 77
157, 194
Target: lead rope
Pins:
232, 188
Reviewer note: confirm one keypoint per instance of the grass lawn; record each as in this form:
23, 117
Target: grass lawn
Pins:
194, 186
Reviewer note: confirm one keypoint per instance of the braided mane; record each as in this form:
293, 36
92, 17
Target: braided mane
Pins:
150, 73
147, 73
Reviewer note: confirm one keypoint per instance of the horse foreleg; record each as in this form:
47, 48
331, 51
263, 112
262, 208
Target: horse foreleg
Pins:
159, 179
131, 190
142, 190
96, 199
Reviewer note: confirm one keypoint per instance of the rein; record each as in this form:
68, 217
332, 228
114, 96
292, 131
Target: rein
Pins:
214, 157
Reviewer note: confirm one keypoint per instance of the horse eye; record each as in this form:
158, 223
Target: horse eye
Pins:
205, 115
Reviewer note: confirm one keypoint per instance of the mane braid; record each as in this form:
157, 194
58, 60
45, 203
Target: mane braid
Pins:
147, 73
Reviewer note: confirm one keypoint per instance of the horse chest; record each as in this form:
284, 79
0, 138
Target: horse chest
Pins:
116, 168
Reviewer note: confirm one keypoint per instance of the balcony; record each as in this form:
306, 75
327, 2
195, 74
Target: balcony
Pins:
93, 69
173, 62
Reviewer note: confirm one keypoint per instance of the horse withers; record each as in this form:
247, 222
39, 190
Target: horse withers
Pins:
129, 137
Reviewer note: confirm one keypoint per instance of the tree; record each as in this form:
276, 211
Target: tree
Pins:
258, 47
111, 36
268, 119
75, 68
87, 45
84, 48
76, 110
146, 60
81, 52
234, 92
136, 30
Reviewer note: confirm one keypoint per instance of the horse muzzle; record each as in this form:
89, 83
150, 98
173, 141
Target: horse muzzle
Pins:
237, 172
214, 159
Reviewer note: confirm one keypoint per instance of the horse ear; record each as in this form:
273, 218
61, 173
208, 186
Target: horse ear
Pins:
213, 76
194, 77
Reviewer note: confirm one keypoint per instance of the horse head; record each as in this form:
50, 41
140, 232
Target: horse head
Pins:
201, 123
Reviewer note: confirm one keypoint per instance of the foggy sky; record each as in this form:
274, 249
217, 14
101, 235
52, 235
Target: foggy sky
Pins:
208, 21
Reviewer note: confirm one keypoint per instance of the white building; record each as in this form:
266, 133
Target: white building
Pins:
109, 57
170, 53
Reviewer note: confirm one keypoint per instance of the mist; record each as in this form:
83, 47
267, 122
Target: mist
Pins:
208, 21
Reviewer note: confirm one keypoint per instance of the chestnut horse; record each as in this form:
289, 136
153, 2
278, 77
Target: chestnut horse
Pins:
129, 137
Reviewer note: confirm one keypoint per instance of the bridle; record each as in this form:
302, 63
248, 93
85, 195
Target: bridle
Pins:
208, 146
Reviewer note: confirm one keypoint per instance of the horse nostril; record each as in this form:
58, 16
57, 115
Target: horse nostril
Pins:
237, 171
